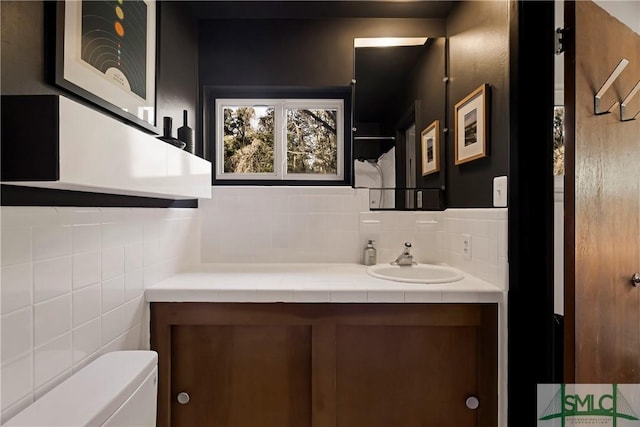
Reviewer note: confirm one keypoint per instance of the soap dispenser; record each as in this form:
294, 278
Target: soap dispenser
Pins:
369, 256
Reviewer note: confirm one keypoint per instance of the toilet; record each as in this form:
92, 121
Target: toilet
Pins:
117, 389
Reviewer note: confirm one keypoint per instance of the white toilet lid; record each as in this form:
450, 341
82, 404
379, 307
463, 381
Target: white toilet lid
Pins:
93, 394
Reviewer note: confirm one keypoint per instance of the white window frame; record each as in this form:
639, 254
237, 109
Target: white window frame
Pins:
280, 138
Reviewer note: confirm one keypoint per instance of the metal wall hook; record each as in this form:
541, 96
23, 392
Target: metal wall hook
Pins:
607, 84
626, 101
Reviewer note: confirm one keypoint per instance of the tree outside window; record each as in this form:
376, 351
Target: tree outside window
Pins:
279, 139
558, 140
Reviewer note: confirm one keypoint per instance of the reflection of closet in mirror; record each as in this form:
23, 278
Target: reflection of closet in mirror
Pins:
406, 75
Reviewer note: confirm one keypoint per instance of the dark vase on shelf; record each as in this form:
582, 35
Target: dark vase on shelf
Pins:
185, 134
166, 137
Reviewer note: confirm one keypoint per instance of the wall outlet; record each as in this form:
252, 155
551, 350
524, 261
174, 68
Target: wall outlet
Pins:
419, 199
466, 246
500, 192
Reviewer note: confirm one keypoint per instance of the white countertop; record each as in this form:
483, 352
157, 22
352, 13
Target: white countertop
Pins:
310, 283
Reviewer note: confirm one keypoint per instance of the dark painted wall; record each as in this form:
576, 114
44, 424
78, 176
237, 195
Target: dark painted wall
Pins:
383, 89
383, 93
177, 75
292, 52
304, 9
478, 33
430, 90
23, 62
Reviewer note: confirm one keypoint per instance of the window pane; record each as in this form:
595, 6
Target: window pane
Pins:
558, 140
248, 139
312, 142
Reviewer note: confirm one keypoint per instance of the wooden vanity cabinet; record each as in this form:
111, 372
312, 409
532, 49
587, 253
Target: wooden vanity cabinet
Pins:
325, 365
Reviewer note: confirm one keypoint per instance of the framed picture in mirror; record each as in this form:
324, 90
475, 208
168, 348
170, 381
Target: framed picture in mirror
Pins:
472, 126
106, 53
430, 146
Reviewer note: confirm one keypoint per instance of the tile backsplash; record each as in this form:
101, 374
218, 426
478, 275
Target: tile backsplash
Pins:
438, 237
72, 282
282, 224
333, 224
488, 231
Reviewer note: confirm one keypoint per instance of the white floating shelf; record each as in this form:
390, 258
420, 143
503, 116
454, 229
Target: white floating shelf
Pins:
50, 141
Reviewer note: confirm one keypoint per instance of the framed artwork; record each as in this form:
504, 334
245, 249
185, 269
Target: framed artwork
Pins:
472, 126
430, 143
106, 53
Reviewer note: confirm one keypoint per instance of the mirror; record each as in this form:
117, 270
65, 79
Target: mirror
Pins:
399, 91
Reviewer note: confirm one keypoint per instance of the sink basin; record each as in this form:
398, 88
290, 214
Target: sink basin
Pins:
419, 273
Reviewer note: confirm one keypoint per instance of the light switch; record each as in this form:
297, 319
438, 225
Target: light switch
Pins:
500, 192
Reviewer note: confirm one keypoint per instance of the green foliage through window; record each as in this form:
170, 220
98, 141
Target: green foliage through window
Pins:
312, 141
248, 139
558, 140
279, 139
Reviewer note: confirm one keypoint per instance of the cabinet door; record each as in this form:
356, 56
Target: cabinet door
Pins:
241, 376
326, 365
410, 376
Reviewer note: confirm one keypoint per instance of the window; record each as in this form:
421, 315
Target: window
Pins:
280, 139
558, 140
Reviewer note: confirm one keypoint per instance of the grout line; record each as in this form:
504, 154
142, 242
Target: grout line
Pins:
70, 332
16, 358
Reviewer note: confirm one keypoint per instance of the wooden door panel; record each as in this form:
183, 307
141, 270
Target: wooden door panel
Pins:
410, 376
602, 203
242, 376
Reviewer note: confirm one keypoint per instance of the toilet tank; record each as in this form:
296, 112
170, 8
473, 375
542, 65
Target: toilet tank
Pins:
117, 389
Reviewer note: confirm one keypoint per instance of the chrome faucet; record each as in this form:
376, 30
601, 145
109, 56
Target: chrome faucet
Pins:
405, 258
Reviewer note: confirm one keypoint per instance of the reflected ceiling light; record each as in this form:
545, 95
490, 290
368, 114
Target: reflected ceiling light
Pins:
389, 41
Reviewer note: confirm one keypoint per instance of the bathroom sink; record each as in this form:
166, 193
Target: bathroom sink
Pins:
418, 273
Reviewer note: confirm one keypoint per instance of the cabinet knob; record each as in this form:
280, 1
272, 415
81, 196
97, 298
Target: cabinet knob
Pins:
472, 402
635, 279
183, 398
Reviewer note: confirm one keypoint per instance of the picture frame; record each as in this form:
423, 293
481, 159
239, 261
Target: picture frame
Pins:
115, 70
430, 147
472, 126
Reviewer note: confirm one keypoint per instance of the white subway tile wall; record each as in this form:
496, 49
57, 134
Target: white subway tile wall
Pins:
392, 229
437, 237
488, 231
324, 224
72, 282
282, 224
